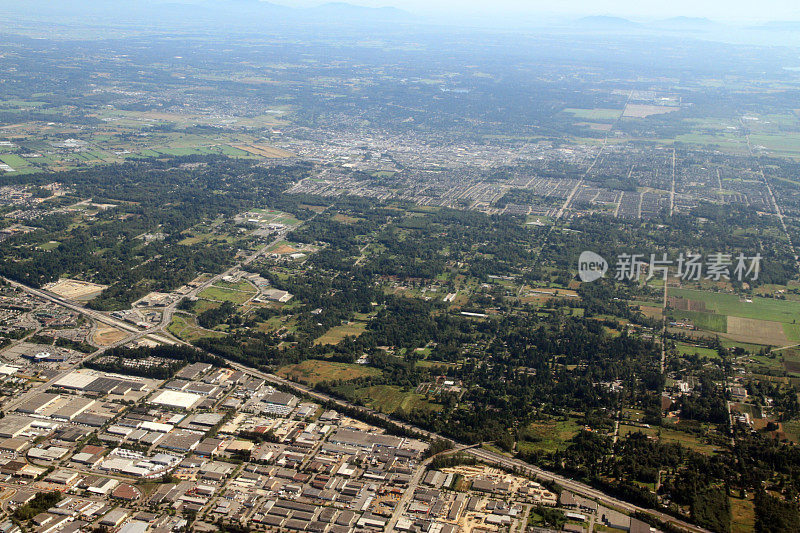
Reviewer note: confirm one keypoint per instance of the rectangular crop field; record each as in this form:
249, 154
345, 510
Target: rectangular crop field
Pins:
771, 309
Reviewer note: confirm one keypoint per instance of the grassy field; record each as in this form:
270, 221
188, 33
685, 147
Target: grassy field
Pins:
667, 435
427, 363
345, 219
792, 430
759, 331
48, 246
313, 371
726, 141
595, 114
241, 285
688, 349
792, 331
706, 321
185, 327
338, 333
729, 304
204, 305
197, 237
389, 398
16, 162
743, 515
686, 439
787, 143
549, 436
791, 360
221, 294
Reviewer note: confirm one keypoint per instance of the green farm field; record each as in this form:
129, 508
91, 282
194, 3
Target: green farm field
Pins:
706, 321
595, 114
770, 309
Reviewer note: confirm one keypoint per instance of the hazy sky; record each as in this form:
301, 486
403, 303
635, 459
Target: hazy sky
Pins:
739, 10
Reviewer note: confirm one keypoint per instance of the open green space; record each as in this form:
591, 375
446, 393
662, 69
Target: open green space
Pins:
788, 143
225, 295
16, 162
388, 398
595, 114
706, 321
338, 333
185, 327
241, 285
313, 371
743, 515
771, 309
688, 349
548, 436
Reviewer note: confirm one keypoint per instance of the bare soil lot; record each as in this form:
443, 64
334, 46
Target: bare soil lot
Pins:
756, 331
75, 289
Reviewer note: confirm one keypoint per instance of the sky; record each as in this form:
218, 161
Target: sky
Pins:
722, 10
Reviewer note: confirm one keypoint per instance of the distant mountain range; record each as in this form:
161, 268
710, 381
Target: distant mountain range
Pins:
674, 23
253, 15
184, 12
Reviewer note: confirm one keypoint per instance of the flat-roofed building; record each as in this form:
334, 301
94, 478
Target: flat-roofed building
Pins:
77, 380
176, 399
201, 388
62, 477
74, 407
360, 439
193, 370
52, 453
102, 486
207, 419
157, 426
14, 444
13, 426
114, 518
181, 441
38, 403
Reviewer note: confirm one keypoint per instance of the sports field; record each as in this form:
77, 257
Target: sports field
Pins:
221, 294
688, 349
